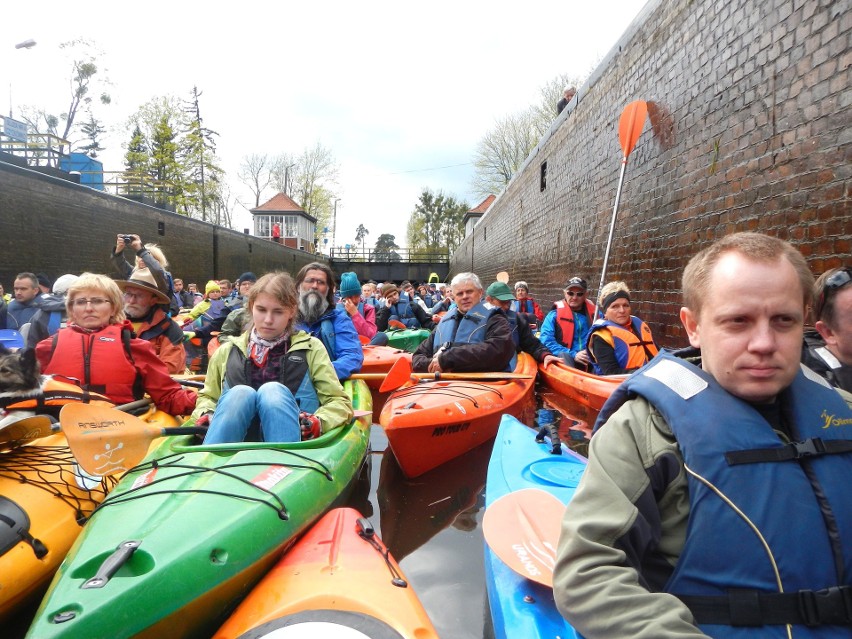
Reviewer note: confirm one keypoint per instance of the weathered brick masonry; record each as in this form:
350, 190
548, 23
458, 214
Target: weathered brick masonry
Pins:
749, 109
53, 226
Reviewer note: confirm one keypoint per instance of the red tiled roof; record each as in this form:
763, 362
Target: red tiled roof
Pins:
279, 203
483, 206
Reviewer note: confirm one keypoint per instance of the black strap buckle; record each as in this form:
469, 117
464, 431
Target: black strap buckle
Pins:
809, 447
830, 606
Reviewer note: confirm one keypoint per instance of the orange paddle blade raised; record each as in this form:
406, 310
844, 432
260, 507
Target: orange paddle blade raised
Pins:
522, 528
630, 125
502, 276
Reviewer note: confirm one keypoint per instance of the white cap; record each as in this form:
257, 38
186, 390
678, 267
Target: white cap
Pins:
62, 284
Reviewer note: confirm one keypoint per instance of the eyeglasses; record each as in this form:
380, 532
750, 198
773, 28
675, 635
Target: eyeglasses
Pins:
832, 284
128, 295
82, 302
575, 293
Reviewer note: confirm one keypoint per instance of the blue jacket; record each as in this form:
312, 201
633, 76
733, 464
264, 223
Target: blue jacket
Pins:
796, 504
337, 332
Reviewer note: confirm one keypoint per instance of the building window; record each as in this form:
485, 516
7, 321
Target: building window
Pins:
543, 179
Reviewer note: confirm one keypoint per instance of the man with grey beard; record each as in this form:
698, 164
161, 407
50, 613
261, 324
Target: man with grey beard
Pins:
319, 317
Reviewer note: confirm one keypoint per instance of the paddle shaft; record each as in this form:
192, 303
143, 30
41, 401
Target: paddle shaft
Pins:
612, 223
440, 376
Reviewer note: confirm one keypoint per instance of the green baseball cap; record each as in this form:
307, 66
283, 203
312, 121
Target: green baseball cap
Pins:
500, 291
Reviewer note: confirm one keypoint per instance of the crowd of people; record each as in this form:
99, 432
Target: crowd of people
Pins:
756, 403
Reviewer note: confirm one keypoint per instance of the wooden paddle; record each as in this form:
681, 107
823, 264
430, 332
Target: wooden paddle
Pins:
522, 529
400, 373
106, 441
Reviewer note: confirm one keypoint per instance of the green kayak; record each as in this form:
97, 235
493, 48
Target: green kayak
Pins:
408, 339
186, 534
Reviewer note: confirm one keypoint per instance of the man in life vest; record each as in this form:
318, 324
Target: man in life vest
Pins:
828, 346
525, 304
52, 315
471, 337
363, 315
566, 327
500, 296
401, 310
319, 317
715, 501
143, 306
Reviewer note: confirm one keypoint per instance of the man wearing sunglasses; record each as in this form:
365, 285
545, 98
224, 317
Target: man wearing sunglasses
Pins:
566, 327
828, 346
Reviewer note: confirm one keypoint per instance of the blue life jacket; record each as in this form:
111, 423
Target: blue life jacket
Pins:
471, 328
402, 312
784, 507
342, 307
527, 306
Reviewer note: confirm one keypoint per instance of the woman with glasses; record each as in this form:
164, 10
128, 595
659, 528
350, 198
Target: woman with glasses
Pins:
620, 342
98, 349
828, 346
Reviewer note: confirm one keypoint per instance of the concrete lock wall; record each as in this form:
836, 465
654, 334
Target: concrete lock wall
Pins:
54, 226
749, 129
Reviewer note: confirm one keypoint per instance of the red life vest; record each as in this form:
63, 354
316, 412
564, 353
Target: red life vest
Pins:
101, 361
565, 320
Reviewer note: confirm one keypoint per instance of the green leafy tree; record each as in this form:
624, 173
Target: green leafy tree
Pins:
198, 159
385, 249
136, 160
436, 223
164, 166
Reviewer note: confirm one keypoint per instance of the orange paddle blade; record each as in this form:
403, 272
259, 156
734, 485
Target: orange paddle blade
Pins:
106, 441
522, 528
26, 429
398, 375
630, 125
502, 276
397, 325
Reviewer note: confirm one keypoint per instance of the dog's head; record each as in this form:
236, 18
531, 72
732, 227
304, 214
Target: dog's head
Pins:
19, 371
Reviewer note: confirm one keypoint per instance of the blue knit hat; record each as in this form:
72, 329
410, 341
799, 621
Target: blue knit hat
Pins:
349, 285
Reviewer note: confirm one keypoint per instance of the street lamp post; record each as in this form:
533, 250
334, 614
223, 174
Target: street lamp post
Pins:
26, 44
334, 227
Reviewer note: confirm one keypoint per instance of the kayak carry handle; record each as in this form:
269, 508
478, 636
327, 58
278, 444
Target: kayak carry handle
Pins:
111, 564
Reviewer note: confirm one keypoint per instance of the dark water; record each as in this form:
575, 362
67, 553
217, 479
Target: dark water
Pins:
432, 526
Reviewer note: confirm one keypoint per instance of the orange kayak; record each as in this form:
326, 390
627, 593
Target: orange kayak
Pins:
336, 575
430, 423
48, 499
379, 359
586, 388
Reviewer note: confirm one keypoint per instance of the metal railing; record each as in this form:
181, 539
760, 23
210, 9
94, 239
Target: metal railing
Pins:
412, 256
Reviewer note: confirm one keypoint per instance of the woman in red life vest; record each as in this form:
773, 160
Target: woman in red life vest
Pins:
98, 348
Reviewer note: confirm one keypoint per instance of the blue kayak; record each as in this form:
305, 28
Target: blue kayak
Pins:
520, 607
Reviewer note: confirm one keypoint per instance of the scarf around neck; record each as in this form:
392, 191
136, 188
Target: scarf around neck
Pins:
259, 348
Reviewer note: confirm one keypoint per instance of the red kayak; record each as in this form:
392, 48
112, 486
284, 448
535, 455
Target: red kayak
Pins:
432, 422
336, 580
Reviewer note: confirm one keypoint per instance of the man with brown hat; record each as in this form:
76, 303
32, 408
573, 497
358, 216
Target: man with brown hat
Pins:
400, 310
142, 305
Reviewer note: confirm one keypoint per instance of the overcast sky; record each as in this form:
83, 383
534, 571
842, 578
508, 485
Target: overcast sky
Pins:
401, 93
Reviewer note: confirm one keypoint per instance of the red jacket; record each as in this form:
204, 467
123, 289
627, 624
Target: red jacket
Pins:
100, 361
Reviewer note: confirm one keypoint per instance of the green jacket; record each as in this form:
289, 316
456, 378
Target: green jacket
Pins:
335, 406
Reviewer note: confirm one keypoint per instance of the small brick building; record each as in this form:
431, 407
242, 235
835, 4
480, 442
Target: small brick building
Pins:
298, 229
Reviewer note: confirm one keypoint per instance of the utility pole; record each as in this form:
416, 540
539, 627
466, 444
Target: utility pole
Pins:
334, 227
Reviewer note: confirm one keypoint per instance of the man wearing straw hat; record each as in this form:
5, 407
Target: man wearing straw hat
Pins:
142, 300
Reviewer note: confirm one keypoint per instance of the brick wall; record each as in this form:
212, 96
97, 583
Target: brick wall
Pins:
53, 226
748, 129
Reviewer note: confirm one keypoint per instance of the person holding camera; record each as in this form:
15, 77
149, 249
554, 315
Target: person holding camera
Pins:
148, 256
